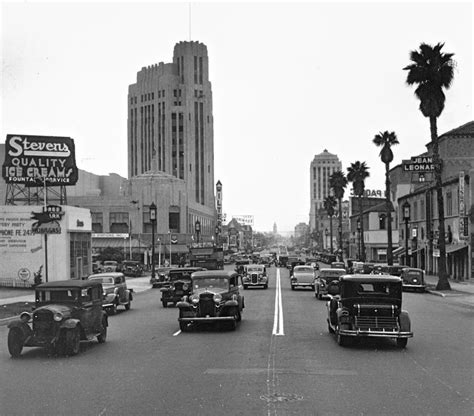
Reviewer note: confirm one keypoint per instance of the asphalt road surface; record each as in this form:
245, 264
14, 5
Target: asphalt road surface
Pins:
281, 360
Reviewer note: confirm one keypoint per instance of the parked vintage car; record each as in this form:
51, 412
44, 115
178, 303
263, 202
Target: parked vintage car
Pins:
110, 266
215, 298
178, 285
325, 277
368, 306
395, 270
255, 275
303, 276
413, 278
116, 292
132, 268
338, 265
161, 277
66, 312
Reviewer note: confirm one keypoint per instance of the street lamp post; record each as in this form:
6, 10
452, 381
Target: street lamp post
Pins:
406, 217
326, 233
153, 222
169, 232
197, 228
217, 230
339, 230
358, 238
159, 252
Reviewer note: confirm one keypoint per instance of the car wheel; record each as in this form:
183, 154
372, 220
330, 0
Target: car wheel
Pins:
164, 303
331, 331
183, 326
103, 332
15, 342
342, 340
245, 287
265, 287
402, 342
73, 338
312, 287
292, 287
128, 305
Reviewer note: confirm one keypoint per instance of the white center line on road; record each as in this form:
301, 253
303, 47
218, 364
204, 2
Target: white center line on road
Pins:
177, 333
278, 315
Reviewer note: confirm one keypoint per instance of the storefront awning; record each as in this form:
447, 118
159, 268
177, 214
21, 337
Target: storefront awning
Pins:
398, 251
114, 242
176, 248
451, 248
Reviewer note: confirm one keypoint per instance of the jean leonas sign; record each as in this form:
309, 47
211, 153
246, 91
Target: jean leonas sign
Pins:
35, 160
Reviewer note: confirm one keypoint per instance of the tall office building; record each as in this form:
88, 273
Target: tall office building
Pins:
322, 167
170, 122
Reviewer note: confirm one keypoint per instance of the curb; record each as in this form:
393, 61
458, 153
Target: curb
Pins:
435, 292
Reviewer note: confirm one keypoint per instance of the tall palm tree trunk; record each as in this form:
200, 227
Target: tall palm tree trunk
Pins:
361, 236
330, 233
340, 229
389, 216
443, 282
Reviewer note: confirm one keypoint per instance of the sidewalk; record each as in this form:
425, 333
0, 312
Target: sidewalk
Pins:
465, 287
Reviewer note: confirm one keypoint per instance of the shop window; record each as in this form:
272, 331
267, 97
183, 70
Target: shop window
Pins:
174, 222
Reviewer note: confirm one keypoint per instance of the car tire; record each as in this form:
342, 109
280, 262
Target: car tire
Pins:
164, 303
402, 342
183, 326
292, 287
73, 339
245, 287
331, 331
342, 340
15, 342
113, 309
101, 338
265, 286
312, 287
128, 305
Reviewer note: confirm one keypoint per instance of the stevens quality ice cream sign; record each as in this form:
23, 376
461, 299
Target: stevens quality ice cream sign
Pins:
31, 160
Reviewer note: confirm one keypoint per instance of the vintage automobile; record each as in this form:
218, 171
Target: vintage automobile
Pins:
110, 266
325, 277
65, 313
178, 285
367, 306
161, 277
303, 276
255, 275
240, 265
338, 265
215, 298
116, 292
413, 278
395, 270
132, 268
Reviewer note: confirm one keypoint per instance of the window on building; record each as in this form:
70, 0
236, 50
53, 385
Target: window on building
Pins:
449, 203
97, 222
118, 222
174, 222
382, 222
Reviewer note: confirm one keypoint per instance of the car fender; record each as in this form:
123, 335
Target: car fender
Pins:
405, 323
230, 303
70, 323
106, 317
184, 305
23, 326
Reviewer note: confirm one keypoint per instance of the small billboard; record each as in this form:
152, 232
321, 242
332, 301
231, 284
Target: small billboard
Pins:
39, 160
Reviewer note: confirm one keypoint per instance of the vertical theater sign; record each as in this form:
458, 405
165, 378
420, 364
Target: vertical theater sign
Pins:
37, 170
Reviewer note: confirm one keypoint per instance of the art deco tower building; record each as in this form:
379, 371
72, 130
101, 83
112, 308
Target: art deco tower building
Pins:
322, 167
170, 122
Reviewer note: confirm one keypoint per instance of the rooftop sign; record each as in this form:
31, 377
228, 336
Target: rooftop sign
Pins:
419, 164
39, 160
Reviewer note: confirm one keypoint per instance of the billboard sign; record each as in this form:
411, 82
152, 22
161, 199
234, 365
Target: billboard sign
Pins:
419, 164
244, 219
39, 160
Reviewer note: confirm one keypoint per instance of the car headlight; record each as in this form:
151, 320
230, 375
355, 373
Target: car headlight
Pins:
185, 287
25, 317
58, 316
116, 291
217, 298
194, 299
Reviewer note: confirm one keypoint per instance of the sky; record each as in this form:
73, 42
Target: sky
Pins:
289, 80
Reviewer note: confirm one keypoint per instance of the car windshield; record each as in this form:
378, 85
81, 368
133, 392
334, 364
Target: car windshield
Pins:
413, 273
255, 269
304, 269
179, 275
210, 282
105, 280
110, 263
330, 275
62, 295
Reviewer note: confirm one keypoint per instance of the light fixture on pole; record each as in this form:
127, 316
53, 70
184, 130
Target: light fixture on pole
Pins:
197, 228
406, 217
153, 222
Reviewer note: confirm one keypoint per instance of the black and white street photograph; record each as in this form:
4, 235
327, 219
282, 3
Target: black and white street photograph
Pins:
236, 208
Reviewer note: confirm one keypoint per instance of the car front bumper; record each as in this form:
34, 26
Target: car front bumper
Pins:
378, 334
206, 318
413, 286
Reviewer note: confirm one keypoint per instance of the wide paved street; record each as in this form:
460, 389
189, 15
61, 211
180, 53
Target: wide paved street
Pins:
277, 362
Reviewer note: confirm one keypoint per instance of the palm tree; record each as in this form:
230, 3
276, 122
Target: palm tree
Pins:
338, 183
329, 204
356, 173
433, 70
386, 140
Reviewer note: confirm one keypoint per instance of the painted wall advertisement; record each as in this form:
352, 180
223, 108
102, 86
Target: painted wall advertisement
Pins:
21, 250
39, 160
